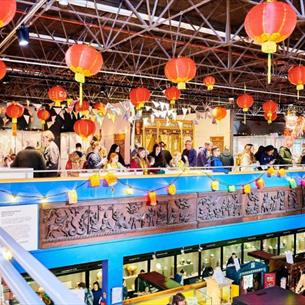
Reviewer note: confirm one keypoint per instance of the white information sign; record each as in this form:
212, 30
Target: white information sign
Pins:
21, 222
117, 295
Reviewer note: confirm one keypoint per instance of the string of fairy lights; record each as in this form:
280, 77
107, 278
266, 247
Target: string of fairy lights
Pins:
110, 180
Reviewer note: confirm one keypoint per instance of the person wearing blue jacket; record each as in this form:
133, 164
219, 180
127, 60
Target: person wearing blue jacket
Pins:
189, 154
216, 161
267, 156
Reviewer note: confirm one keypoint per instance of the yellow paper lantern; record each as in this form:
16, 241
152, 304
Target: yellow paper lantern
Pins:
95, 180
111, 179
171, 189
247, 189
215, 185
260, 183
270, 171
282, 172
72, 197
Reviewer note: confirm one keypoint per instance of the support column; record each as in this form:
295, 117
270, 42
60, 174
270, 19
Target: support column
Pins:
112, 277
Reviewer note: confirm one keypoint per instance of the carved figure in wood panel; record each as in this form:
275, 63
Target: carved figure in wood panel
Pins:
119, 219
179, 211
273, 201
136, 217
292, 199
221, 207
253, 204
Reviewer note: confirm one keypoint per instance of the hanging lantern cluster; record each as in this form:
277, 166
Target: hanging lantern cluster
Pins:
84, 61
270, 109
209, 82
296, 76
219, 113
269, 23
7, 12
180, 71
139, 96
14, 111
172, 94
84, 128
57, 95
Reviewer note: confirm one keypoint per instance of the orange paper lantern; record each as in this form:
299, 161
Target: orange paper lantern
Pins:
138, 96
152, 198
81, 107
245, 101
2, 69
209, 81
180, 71
296, 76
84, 61
219, 113
57, 94
268, 24
270, 108
14, 111
7, 11
260, 183
84, 128
43, 115
172, 94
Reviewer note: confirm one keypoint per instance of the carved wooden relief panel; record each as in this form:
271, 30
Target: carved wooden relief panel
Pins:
120, 218
100, 219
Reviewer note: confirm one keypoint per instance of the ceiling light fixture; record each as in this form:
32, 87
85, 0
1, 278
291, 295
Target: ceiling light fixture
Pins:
23, 36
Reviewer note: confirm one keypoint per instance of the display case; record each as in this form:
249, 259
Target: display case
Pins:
163, 265
211, 257
189, 263
300, 242
286, 244
270, 245
131, 272
228, 250
251, 246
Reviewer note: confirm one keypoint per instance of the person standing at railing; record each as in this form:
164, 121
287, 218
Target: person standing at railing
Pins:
285, 152
158, 156
190, 153
266, 157
51, 153
30, 158
216, 163
139, 161
93, 158
204, 154
246, 159
115, 148
227, 158
165, 153
113, 162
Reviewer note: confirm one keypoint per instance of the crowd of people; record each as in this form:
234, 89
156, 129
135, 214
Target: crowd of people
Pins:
47, 159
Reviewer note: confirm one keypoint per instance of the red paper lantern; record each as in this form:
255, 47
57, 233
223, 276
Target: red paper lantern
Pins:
81, 108
84, 128
180, 70
172, 94
245, 101
84, 61
296, 76
57, 94
268, 24
14, 111
100, 107
2, 69
209, 81
219, 113
270, 117
43, 115
139, 96
7, 12
270, 107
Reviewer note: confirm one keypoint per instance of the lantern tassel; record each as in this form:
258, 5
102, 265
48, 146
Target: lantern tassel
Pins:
269, 67
80, 94
14, 129
245, 118
298, 94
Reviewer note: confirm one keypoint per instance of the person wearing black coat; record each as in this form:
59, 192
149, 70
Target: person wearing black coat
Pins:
158, 156
115, 148
30, 158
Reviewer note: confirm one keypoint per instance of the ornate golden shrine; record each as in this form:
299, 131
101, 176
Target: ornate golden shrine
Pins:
170, 133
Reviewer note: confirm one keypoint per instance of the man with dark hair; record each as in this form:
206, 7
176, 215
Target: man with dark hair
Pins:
189, 154
79, 149
165, 153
